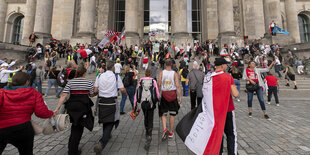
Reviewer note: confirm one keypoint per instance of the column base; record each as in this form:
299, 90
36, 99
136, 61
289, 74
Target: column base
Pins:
132, 38
280, 39
229, 38
83, 38
182, 38
43, 38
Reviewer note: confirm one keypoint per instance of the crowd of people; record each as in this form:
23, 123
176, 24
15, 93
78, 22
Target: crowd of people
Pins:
170, 73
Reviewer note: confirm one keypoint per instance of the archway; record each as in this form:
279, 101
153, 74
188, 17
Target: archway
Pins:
17, 30
14, 28
304, 29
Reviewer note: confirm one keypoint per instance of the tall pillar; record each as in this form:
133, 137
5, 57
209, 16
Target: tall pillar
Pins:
43, 20
131, 22
227, 34
179, 21
29, 21
87, 18
3, 10
226, 17
292, 19
272, 13
141, 19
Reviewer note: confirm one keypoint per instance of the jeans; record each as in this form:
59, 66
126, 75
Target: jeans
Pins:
75, 138
51, 82
60, 91
54, 62
274, 90
106, 133
184, 90
131, 93
237, 83
20, 136
193, 97
90, 67
260, 98
37, 83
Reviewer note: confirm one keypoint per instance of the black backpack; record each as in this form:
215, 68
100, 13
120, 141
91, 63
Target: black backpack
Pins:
128, 79
184, 72
62, 78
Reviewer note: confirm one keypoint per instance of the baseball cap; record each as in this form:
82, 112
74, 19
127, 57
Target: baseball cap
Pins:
220, 61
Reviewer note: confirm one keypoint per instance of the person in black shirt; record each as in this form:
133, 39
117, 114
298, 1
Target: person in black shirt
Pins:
52, 80
71, 68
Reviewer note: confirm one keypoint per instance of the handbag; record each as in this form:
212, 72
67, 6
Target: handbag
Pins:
252, 87
169, 95
36, 128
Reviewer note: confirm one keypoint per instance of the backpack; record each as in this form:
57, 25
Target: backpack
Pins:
128, 79
146, 94
62, 77
184, 72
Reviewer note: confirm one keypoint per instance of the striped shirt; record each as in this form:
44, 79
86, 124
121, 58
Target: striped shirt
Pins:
79, 86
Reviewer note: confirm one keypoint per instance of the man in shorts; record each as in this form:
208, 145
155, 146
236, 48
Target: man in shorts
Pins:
168, 83
290, 75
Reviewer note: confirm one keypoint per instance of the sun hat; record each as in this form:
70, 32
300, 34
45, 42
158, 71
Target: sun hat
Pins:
55, 124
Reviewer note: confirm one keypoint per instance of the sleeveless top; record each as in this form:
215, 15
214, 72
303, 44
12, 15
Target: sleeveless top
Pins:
168, 81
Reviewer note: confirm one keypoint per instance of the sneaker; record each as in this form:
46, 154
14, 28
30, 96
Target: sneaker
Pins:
267, 117
45, 95
98, 148
171, 134
165, 135
238, 100
278, 104
287, 85
250, 114
268, 102
295, 87
122, 113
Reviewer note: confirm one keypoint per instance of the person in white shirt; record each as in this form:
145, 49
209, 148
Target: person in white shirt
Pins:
211, 47
106, 86
92, 64
117, 67
39, 52
136, 49
5, 72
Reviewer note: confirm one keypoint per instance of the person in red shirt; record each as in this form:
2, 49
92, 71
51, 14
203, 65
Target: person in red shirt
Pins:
230, 124
18, 102
272, 83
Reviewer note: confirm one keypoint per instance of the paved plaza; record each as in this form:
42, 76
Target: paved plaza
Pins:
288, 132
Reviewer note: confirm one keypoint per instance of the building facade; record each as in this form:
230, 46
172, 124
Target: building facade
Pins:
181, 21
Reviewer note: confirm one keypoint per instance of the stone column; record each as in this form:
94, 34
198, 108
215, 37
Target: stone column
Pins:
272, 13
29, 21
292, 19
131, 22
141, 19
3, 10
179, 21
43, 20
226, 17
227, 34
87, 18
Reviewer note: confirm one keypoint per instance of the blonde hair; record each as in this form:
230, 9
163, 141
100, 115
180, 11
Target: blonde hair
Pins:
126, 69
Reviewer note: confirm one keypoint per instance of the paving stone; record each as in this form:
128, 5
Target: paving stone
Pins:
287, 133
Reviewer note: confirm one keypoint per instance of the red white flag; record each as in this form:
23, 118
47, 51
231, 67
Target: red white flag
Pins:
205, 136
109, 37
